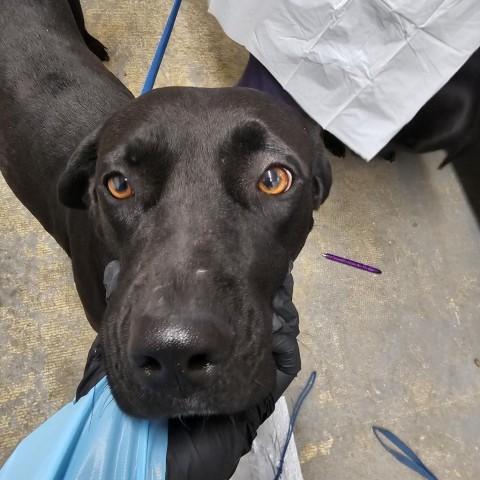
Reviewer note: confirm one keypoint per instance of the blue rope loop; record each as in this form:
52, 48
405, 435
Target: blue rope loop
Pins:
161, 48
408, 457
293, 418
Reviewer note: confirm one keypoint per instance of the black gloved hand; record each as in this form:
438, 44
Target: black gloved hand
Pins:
211, 447
285, 331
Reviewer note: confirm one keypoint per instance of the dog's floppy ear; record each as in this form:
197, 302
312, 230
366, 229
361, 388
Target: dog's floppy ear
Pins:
73, 184
333, 144
322, 173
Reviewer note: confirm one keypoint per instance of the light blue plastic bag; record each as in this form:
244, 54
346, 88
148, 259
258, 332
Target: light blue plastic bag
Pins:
91, 439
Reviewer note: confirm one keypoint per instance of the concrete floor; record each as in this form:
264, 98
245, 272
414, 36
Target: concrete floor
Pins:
395, 350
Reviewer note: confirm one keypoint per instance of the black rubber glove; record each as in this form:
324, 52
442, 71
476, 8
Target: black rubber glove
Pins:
211, 447
285, 331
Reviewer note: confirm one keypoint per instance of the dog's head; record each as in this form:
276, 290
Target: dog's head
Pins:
204, 196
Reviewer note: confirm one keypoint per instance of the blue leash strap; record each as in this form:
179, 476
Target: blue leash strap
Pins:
408, 457
293, 418
160, 51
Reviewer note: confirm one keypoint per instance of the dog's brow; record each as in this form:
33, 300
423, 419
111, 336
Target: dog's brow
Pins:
246, 138
147, 151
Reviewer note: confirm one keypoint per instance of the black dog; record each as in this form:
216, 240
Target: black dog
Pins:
449, 121
93, 44
204, 196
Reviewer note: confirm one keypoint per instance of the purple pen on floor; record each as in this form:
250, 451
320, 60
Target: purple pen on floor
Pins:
351, 263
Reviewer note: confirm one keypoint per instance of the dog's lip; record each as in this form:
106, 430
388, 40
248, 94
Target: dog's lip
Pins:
195, 404
150, 404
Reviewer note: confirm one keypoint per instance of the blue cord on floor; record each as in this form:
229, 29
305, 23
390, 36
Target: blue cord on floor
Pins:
410, 459
160, 51
407, 456
293, 418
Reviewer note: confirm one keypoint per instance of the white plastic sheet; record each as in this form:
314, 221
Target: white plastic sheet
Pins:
262, 461
360, 68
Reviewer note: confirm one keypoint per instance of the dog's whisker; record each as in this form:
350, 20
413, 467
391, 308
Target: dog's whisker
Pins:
259, 383
182, 421
163, 285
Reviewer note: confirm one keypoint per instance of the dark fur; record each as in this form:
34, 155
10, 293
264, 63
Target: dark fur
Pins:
202, 250
93, 44
449, 121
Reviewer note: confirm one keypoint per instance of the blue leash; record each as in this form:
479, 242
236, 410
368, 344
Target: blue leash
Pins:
296, 409
408, 457
162, 46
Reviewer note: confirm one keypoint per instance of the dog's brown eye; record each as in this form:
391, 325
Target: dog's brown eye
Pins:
119, 187
275, 180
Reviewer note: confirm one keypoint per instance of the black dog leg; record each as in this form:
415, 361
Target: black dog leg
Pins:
93, 44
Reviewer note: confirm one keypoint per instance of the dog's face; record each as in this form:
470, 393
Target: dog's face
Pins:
204, 196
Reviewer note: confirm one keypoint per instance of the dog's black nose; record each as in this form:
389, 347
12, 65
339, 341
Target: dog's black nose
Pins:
183, 353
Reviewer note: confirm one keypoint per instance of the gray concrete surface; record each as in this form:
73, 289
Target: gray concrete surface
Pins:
398, 349
395, 350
